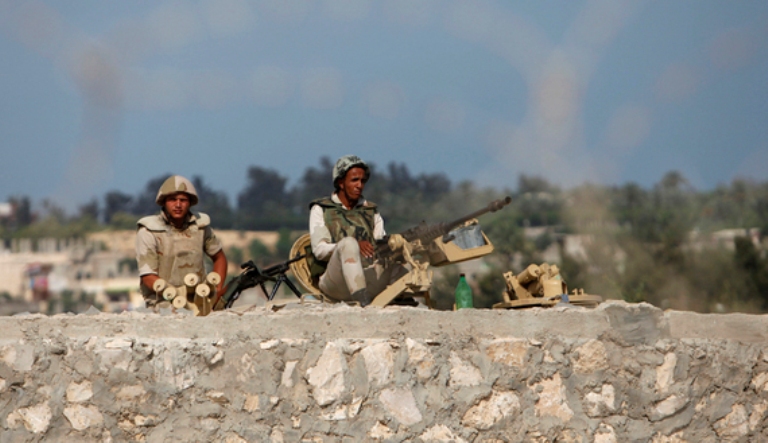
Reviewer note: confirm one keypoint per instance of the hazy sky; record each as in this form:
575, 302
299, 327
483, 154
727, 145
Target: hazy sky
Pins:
98, 96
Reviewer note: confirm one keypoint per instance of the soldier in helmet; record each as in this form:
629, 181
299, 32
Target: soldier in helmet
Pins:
343, 229
171, 244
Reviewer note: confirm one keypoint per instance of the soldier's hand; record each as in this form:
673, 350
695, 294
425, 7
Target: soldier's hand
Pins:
366, 248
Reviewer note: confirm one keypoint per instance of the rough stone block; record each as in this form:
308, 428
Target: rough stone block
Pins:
35, 418
83, 417
665, 374
327, 377
420, 357
20, 357
79, 392
400, 404
287, 377
552, 399
668, 406
600, 404
490, 411
733, 425
509, 352
379, 362
441, 433
591, 358
463, 373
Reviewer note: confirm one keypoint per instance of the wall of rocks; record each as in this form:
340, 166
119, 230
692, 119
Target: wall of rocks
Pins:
617, 373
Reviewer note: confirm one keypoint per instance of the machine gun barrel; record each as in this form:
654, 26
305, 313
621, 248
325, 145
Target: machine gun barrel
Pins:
426, 233
279, 268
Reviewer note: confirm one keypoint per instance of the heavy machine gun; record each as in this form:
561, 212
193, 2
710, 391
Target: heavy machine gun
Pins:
424, 233
437, 244
252, 276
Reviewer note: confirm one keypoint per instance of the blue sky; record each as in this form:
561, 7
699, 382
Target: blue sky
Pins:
98, 96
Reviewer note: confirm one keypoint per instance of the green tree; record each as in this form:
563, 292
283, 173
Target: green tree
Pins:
538, 202
284, 243
89, 210
116, 202
213, 203
749, 259
235, 255
262, 204
124, 220
313, 184
145, 202
22, 212
259, 252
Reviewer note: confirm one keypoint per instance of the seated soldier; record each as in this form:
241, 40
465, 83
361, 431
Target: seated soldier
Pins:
343, 229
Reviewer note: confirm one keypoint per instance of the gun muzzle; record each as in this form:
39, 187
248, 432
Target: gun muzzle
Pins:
498, 204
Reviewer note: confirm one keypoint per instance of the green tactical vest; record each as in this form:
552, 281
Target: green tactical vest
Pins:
357, 222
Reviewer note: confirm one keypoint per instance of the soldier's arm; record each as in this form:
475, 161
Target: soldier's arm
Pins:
215, 250
319, 235
220, 267
149, 280
146, 257
366, 248
378, 227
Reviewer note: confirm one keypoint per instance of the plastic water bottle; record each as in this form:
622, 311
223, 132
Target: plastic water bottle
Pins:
463, 294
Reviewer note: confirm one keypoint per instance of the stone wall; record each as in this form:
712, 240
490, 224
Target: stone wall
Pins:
618, 373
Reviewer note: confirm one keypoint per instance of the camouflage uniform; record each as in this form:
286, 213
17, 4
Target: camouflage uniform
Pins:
334, 231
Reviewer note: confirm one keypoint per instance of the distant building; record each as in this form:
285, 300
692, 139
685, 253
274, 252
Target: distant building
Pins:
40, 271
6, 210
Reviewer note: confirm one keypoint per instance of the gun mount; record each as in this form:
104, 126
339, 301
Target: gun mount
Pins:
424, 233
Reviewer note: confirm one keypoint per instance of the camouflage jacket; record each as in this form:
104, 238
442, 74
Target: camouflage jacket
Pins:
330, 221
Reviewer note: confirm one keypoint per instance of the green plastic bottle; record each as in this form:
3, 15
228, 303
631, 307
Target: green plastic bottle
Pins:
463, 294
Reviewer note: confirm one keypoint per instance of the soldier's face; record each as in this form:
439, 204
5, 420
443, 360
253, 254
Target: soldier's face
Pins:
353, 184
177, 206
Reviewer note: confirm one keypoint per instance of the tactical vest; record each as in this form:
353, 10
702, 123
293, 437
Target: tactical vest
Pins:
357, 222
179, 251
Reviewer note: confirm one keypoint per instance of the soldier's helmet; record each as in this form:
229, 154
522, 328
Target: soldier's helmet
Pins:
174, 184
346, 163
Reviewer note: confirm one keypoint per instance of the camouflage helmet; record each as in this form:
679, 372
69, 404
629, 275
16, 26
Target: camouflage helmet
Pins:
346, 163
174, 184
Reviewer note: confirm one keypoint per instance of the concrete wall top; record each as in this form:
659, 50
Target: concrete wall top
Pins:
622, 322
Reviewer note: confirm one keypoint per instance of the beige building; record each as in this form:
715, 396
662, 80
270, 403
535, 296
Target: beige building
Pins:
102, 267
